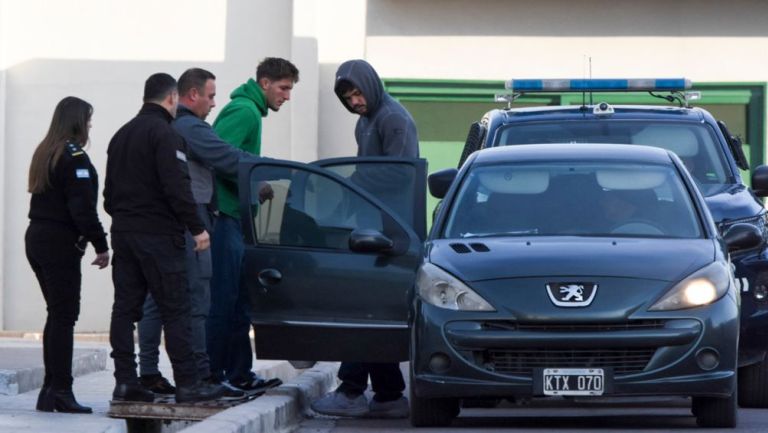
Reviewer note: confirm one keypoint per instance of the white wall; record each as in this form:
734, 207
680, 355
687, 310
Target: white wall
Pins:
704, 40
102, 51
3, 49
340, 34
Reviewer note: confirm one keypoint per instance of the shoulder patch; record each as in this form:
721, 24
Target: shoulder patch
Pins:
181, 156
82, 173
74, 149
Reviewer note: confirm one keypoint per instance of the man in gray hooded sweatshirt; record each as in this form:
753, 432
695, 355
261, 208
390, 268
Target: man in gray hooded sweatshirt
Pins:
385, 128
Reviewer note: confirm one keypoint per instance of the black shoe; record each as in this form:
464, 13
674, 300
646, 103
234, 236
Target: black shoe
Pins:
256, 385
230, 392
157, 384
132, 392
60, 401
42, 401
201, 391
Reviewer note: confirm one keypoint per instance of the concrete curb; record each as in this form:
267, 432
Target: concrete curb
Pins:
17, 381
278, 411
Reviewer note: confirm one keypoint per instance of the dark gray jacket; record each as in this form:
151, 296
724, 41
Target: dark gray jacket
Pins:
206, 154
387, 129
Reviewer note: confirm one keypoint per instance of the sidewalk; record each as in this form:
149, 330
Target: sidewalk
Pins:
278, 411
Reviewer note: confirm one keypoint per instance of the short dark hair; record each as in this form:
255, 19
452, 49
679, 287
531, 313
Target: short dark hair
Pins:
194, 78
158, 86
344, 86
276, 69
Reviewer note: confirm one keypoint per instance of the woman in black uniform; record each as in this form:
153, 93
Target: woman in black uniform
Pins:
63, 220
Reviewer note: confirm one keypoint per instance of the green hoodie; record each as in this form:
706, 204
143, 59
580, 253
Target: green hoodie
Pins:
239, 124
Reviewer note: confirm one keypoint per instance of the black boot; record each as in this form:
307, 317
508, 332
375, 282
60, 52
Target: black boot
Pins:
132, 392
44, 404
61, 401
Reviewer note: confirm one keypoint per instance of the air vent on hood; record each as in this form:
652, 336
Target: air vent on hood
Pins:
460, 248
480, 248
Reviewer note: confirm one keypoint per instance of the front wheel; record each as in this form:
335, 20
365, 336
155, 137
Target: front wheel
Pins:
432, 412
753, 385
715, 411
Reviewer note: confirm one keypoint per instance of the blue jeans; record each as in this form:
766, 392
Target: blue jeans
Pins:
229, 346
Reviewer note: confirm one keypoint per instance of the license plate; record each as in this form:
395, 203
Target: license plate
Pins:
574, 381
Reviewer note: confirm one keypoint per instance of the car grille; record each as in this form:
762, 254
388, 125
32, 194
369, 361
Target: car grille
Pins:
573, 327
523, 361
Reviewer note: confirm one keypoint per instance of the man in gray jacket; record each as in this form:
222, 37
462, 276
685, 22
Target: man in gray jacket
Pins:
385, 128
207, 155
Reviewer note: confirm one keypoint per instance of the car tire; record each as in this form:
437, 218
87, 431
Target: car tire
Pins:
715, 411
753, 385
432, 412
473, 142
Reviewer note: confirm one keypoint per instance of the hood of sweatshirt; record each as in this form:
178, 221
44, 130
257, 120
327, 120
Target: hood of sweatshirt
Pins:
362, 75
252, 91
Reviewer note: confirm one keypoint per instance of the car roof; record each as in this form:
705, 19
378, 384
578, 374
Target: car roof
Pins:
574, 112
574, 152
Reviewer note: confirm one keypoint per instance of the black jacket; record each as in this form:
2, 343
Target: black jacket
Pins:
71, 199
387, 129
147, 187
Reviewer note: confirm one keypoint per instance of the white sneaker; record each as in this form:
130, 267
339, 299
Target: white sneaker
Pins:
389, 409
338, 404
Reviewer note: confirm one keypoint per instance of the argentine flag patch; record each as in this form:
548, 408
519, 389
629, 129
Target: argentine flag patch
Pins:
82, 173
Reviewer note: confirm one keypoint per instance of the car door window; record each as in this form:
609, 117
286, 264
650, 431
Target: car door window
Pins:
308, 209
390, 183
396, 182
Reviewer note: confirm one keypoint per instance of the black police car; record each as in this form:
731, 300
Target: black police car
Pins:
704, 144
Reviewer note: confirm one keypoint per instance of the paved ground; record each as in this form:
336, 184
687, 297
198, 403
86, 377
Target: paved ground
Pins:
94, 388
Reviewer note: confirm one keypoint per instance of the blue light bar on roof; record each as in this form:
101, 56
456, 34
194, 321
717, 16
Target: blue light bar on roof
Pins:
599, 85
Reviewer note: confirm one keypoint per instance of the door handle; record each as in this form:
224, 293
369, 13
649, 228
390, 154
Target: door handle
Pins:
270, 277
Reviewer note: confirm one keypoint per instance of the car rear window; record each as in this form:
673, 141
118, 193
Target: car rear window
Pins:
581, 199
694, 143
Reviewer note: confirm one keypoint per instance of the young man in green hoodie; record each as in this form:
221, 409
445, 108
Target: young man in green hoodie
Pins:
239, 123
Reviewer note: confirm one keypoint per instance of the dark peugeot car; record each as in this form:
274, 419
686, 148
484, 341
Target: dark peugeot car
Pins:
554, 270
712, 155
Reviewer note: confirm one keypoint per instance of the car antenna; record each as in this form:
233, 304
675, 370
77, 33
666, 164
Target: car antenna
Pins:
584, 93
591, 103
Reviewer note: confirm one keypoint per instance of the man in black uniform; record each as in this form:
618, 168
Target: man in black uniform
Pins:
147, 193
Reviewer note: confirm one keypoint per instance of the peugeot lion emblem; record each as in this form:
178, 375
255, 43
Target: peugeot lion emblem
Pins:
571, 294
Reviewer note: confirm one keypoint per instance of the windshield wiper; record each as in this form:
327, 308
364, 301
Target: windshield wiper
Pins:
509, 233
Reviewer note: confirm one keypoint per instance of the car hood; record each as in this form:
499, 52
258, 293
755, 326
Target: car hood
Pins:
733, 203
497, 258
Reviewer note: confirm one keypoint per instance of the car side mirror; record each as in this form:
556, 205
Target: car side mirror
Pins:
760, 180
440, 181
369, 241
742, 237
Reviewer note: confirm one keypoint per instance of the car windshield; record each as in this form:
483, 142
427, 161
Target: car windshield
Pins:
580, 199
694, 143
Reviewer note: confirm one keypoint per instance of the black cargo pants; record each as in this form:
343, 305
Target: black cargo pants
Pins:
153, 263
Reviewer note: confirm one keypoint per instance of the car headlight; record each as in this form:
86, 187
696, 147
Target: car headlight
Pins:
702, 287
441, 289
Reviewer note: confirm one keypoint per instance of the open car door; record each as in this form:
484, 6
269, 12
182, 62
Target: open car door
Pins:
331, 258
